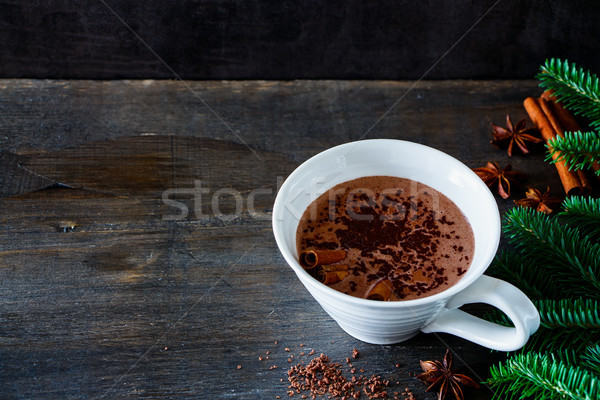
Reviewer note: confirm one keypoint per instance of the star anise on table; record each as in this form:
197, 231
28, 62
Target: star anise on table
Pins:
514, 134
440, 375
492, 175
538, 201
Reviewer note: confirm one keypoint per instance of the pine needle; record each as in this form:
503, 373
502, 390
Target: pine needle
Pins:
524, 274
578, 89
591, 359
583, 212
568, 357
559, 250
588, 358
579, 150
541, 377
567, 325
569, 314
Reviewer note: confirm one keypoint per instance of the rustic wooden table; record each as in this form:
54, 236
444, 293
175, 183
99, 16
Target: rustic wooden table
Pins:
136, 253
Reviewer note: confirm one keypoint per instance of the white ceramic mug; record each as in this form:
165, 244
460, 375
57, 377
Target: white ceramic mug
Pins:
387, 322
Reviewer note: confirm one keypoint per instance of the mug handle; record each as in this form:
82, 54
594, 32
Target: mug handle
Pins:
500, 294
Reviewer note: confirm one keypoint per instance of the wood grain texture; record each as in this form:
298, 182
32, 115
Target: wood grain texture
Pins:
110, 292
262, 39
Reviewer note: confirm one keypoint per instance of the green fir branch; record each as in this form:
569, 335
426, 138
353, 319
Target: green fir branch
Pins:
579, 150
568, 357
584, 212
588, 358
566, 325
578, 89
522, 272
565, 340
556, 262
542, 377
559, 250
591, 359
569, 314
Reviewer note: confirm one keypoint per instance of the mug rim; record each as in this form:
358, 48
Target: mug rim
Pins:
306, 278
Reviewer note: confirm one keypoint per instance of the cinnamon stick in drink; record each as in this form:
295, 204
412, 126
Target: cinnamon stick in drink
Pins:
381, 291
312, 258
330, 274
535, 108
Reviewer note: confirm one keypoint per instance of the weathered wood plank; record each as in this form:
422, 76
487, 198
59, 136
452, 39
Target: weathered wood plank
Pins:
296, 119
107, 293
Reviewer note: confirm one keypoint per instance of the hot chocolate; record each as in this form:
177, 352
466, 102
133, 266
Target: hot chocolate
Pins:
398, 239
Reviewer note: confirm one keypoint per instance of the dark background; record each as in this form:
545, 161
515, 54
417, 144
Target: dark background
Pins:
271, 39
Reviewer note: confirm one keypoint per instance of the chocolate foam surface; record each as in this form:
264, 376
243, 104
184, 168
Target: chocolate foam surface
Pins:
395, 230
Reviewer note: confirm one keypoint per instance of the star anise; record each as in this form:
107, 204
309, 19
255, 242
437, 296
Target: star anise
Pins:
492, 175
538, 201
439, 375
514, 134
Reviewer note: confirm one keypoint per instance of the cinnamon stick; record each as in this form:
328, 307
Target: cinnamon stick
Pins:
312, 258
537, 108
381, 291
565, 118
330, 274
547, 107
334, 267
